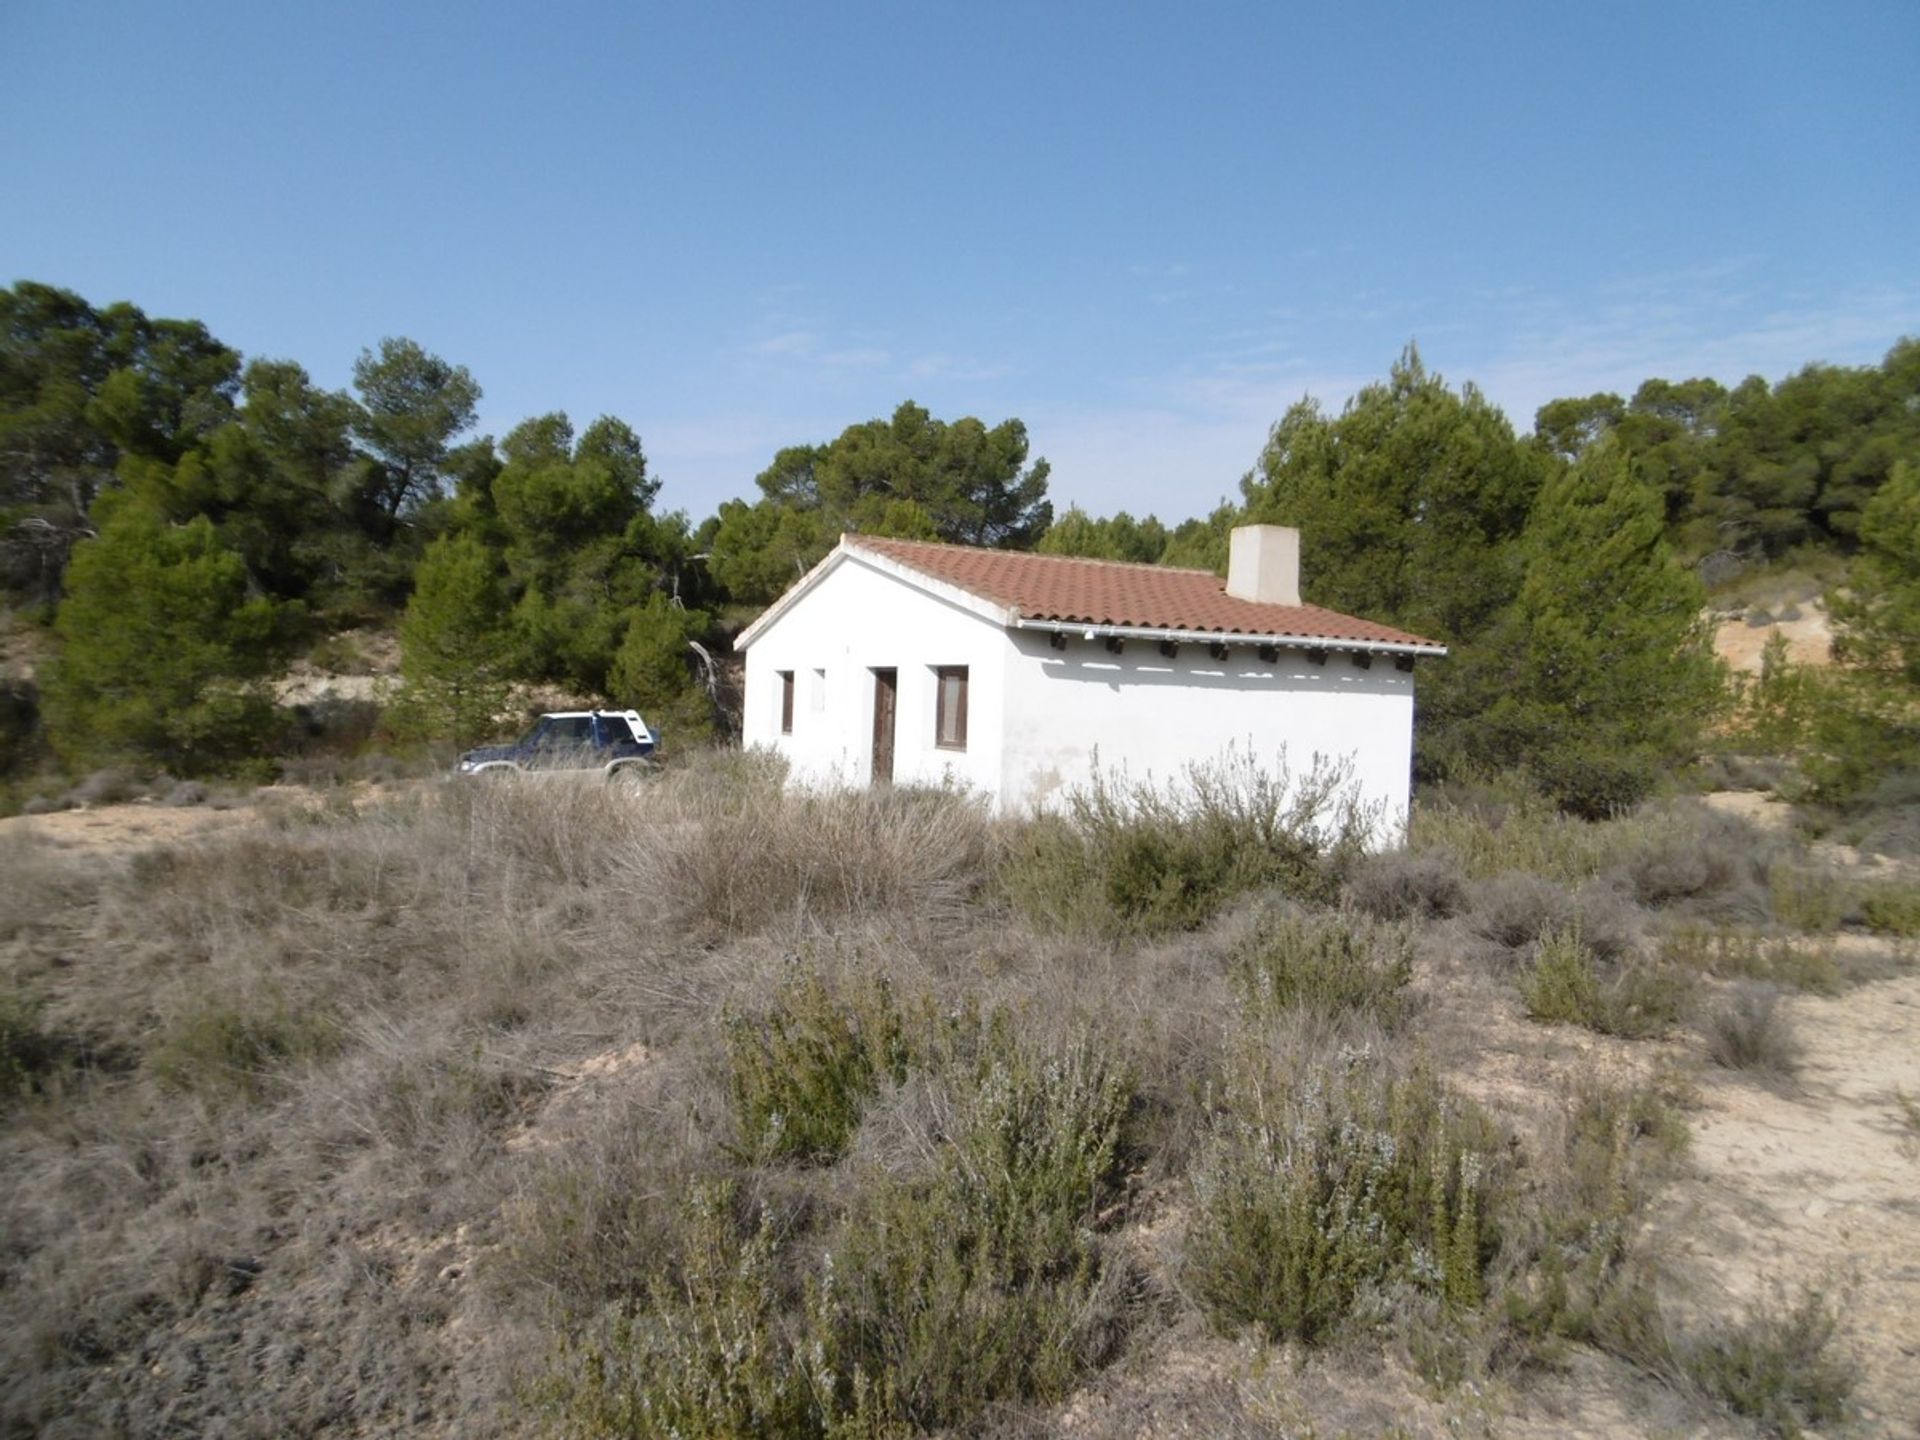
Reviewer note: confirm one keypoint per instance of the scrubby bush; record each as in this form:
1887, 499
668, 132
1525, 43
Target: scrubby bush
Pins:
1565, 985
1806, 897
593, 1221
1776, 1366
1573, 1270
107, 787
800, 1073
1318, 1190
1562, 984
1891, 907
1736, 954
1408, 885
985, 1281
1748, 1032
221, 1048
1326, 964
1706, 864
27, 1052
1136, 858
1518, 910
712, 1357
740, 861
976, 1281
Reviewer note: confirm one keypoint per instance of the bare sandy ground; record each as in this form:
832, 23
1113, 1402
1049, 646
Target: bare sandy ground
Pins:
1819, 1185
114, 827
1809, 639
145, 822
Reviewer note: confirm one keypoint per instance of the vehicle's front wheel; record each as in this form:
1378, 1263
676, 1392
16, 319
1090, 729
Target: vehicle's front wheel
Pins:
630, 776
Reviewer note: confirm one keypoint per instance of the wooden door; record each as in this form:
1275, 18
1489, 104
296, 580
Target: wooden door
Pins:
886, 685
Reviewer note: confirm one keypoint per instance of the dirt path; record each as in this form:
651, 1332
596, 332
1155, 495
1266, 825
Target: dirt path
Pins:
1819, 1185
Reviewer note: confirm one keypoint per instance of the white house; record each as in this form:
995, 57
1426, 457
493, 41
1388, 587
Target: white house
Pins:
897, 660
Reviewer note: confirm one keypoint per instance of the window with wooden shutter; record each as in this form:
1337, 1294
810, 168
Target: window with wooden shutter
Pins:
950, 707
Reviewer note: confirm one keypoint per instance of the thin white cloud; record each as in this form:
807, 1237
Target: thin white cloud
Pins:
951, 368
791, 342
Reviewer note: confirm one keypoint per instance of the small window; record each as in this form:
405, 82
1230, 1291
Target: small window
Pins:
950, 708
819, 692
786, 701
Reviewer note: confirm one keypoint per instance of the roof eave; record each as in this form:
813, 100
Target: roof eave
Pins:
1156, 633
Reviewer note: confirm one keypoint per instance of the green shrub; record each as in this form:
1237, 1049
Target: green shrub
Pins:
1573, 1271
1564, 986
714, 1356
1775, 710
1736, 954
978, 1282
223, 1049
800, 1074
1309, 1196
1806, 899
1135, 858
985, 1282
1891, 908
1325, 963
27, 1052
1776, 1366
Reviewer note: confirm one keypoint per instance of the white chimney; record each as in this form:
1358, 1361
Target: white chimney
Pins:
1263, 564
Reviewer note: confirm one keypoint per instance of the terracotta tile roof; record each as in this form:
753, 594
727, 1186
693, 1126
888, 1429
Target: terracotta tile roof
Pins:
1108, 592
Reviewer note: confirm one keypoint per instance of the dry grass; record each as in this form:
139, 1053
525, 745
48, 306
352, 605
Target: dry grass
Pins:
392, 1114
1748, 1032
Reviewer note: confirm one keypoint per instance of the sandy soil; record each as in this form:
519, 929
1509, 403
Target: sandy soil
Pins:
145, 822
1809, 639
1820, 1185
115, 827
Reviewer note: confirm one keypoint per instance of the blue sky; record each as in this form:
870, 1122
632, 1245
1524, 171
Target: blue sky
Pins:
1143, 230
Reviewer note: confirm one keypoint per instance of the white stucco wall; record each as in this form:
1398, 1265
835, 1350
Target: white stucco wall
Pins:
1037, 716
1151, 715
857, 619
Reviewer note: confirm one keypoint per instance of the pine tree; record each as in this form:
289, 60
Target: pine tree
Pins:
653, 670
1869, 733
1603, 666
456, 649
1408, 505
162, 650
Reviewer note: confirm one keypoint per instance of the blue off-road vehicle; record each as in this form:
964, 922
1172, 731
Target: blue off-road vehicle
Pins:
616, 743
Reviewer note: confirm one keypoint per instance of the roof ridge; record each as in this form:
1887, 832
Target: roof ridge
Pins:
1152, 565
